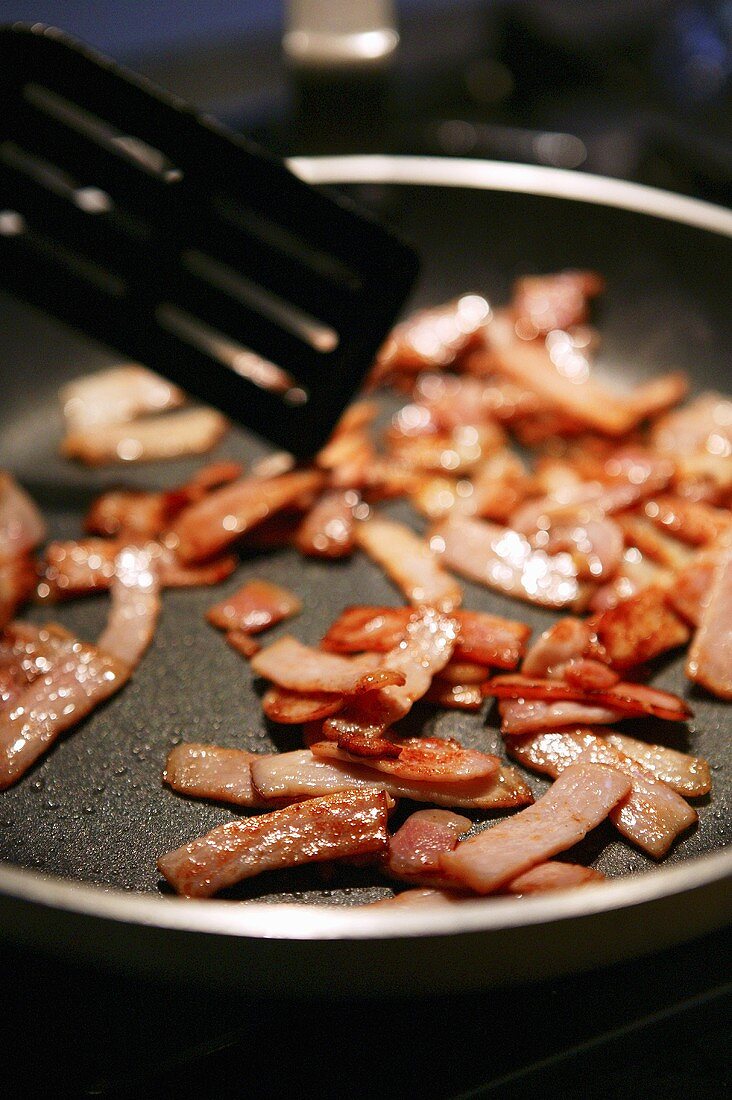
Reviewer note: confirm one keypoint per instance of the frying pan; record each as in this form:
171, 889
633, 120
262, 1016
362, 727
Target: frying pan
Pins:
80, 834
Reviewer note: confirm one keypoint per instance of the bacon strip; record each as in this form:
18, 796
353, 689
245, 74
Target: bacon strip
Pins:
415, 848
705, 425
578, 801
328, 530
410, 563
689, 593
564, 641
484, 638
290, 664
533, 715
692, 521
254, 607
688, 775
294, 708
638, 629
416, 898
300, 774
458, 451
172, 435
652, 816
557, 301
629, 699
423, 759
115, 396
135, 606
455, 696
18, 579
214, 523
22, 526
553, 875
79, 678
209, 771
709, 662
433, 337
339, 825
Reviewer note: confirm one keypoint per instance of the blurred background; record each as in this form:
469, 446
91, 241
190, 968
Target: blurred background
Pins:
636, 89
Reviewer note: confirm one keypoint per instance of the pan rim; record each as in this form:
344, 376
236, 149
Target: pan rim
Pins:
288, 921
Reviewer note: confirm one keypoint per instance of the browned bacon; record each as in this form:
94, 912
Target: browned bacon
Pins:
553, 875
415, 848
690, 590
564, 641
172, 435
629, 699
135, 606
652, 815
433, 337
692, 521
115, 396
637, 630
209, 526
558, 301
503, 559
578, 801
297, 667
689, 775
27, 652
80, 677
417, 898
255, 606
339, 825
709, 662
21, 525
242, 643
484, 638
410, 563
328, 530
422, 759
209, 771
455, 696
294, 708
457, 452
635, 573
300, 774
18, 579
534, 715
704, 426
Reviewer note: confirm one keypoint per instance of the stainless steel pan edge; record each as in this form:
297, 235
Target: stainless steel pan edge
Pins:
318, 949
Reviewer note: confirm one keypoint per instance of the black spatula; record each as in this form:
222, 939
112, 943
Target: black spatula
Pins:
155, 230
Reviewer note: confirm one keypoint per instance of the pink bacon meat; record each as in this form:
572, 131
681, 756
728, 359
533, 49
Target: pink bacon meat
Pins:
709, 662
135, 607
208, 527
301, 774
255, 606
172, 435
652, 815
637, 630
22, 527
328, 530
297, 667
579, 800
553, 875
534, 715
209, 771
558, 301
504, 560
79, 678
115, 396
629, 699
688, 775
410, 563
415, 848
423, 759
335, 826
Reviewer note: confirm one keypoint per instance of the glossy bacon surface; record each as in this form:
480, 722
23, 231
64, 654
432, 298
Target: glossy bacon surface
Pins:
255, 606
415, 848
423, 759
292, 665
209, 771
709, 662
348, 823
172, 435
135, 606
578, 801
409, 562
629, 699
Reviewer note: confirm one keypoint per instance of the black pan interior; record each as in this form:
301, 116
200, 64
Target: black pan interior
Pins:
94, 808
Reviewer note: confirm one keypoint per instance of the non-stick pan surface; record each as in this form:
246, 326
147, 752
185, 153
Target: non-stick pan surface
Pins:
81, 833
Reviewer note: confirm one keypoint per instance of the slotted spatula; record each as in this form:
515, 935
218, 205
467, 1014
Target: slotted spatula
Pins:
126, 214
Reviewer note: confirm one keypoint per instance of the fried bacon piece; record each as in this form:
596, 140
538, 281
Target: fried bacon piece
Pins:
433, 338
637, 630
242, 643
553, 875
578, 801
634, 574
566, 640
328, 530
651, 816
692, 521
688, 775
416, 898
654, 544
410, 563
483, 638
27, 652
172, 435
297, 667
709, 661
87, 565
704, 426
293, 708
209, 526
458, 451
130, 513
559, 372
209, 771
415, 848
628, 699
455, 696
689, 593
300, 774
422, 759
78, 679
135, 606
18, 579
22, 527
115, 396
335, 826
254, 607
534, 715
503, 559
557, 301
